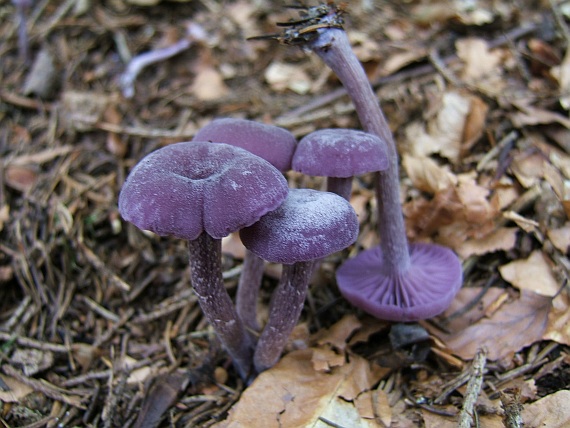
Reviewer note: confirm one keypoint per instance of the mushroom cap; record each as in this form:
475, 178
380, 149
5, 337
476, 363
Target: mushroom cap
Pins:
340, 153
309, 225
272, 143
425, 290
187, 188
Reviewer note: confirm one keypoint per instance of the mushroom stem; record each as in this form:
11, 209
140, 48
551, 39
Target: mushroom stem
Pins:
342, 186
248, 289
333, 47
215, 302
284, 312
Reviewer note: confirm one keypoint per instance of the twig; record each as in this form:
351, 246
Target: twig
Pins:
466, 415
32, 343
8, 325
96, 307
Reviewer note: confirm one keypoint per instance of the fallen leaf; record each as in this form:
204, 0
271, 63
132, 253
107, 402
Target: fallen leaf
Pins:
281, 76
433, 420
532, 274
558, 328
551, 411
209, 85
21, 178
4, 215
338, 335
443, 133
529, 115
427, 175
160, 397
560, 237
528, 314
562, 74
479, 61
501, 239
325, 359
295, 395
15, 390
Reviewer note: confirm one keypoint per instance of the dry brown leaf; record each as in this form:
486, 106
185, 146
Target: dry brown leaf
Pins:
503, 239
529, 115
551, 411
338, 335
324, 359
528, 169
427, 175
443, 133
479, 61
281, 77
4, 215
209, 84
21, 178
433, 420
233, 246
532, 274
16, 390
477, 208
295, 395
562, 74
475, 123
528, 314
558, 328
560, 238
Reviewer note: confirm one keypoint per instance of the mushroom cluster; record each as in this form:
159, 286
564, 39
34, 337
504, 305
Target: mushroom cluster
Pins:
231, 178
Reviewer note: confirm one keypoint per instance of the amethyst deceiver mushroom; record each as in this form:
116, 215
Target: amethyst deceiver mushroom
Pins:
201, 192
308, 226
340, 154
321, 31
274, 144
423, 291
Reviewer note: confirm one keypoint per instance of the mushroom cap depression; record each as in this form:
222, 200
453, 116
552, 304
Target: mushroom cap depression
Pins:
425, 290
309, 225
340, 153
187, 188
272, 143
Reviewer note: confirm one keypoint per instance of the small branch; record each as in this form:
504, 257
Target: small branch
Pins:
466, 416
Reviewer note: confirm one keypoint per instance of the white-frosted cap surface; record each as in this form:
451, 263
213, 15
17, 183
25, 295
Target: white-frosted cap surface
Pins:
309, 225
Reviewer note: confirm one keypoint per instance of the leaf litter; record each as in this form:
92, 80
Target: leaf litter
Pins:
97, 320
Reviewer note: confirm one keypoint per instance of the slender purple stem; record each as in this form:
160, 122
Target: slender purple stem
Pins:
342, 186
215, 302
333, 47
284, 312
248, 290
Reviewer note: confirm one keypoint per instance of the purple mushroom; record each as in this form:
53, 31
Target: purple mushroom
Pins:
423, 291
340, 154
321, 31
309, 225
201, 192
274, 144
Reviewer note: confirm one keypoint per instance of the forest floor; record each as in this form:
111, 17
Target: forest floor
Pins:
98, 322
